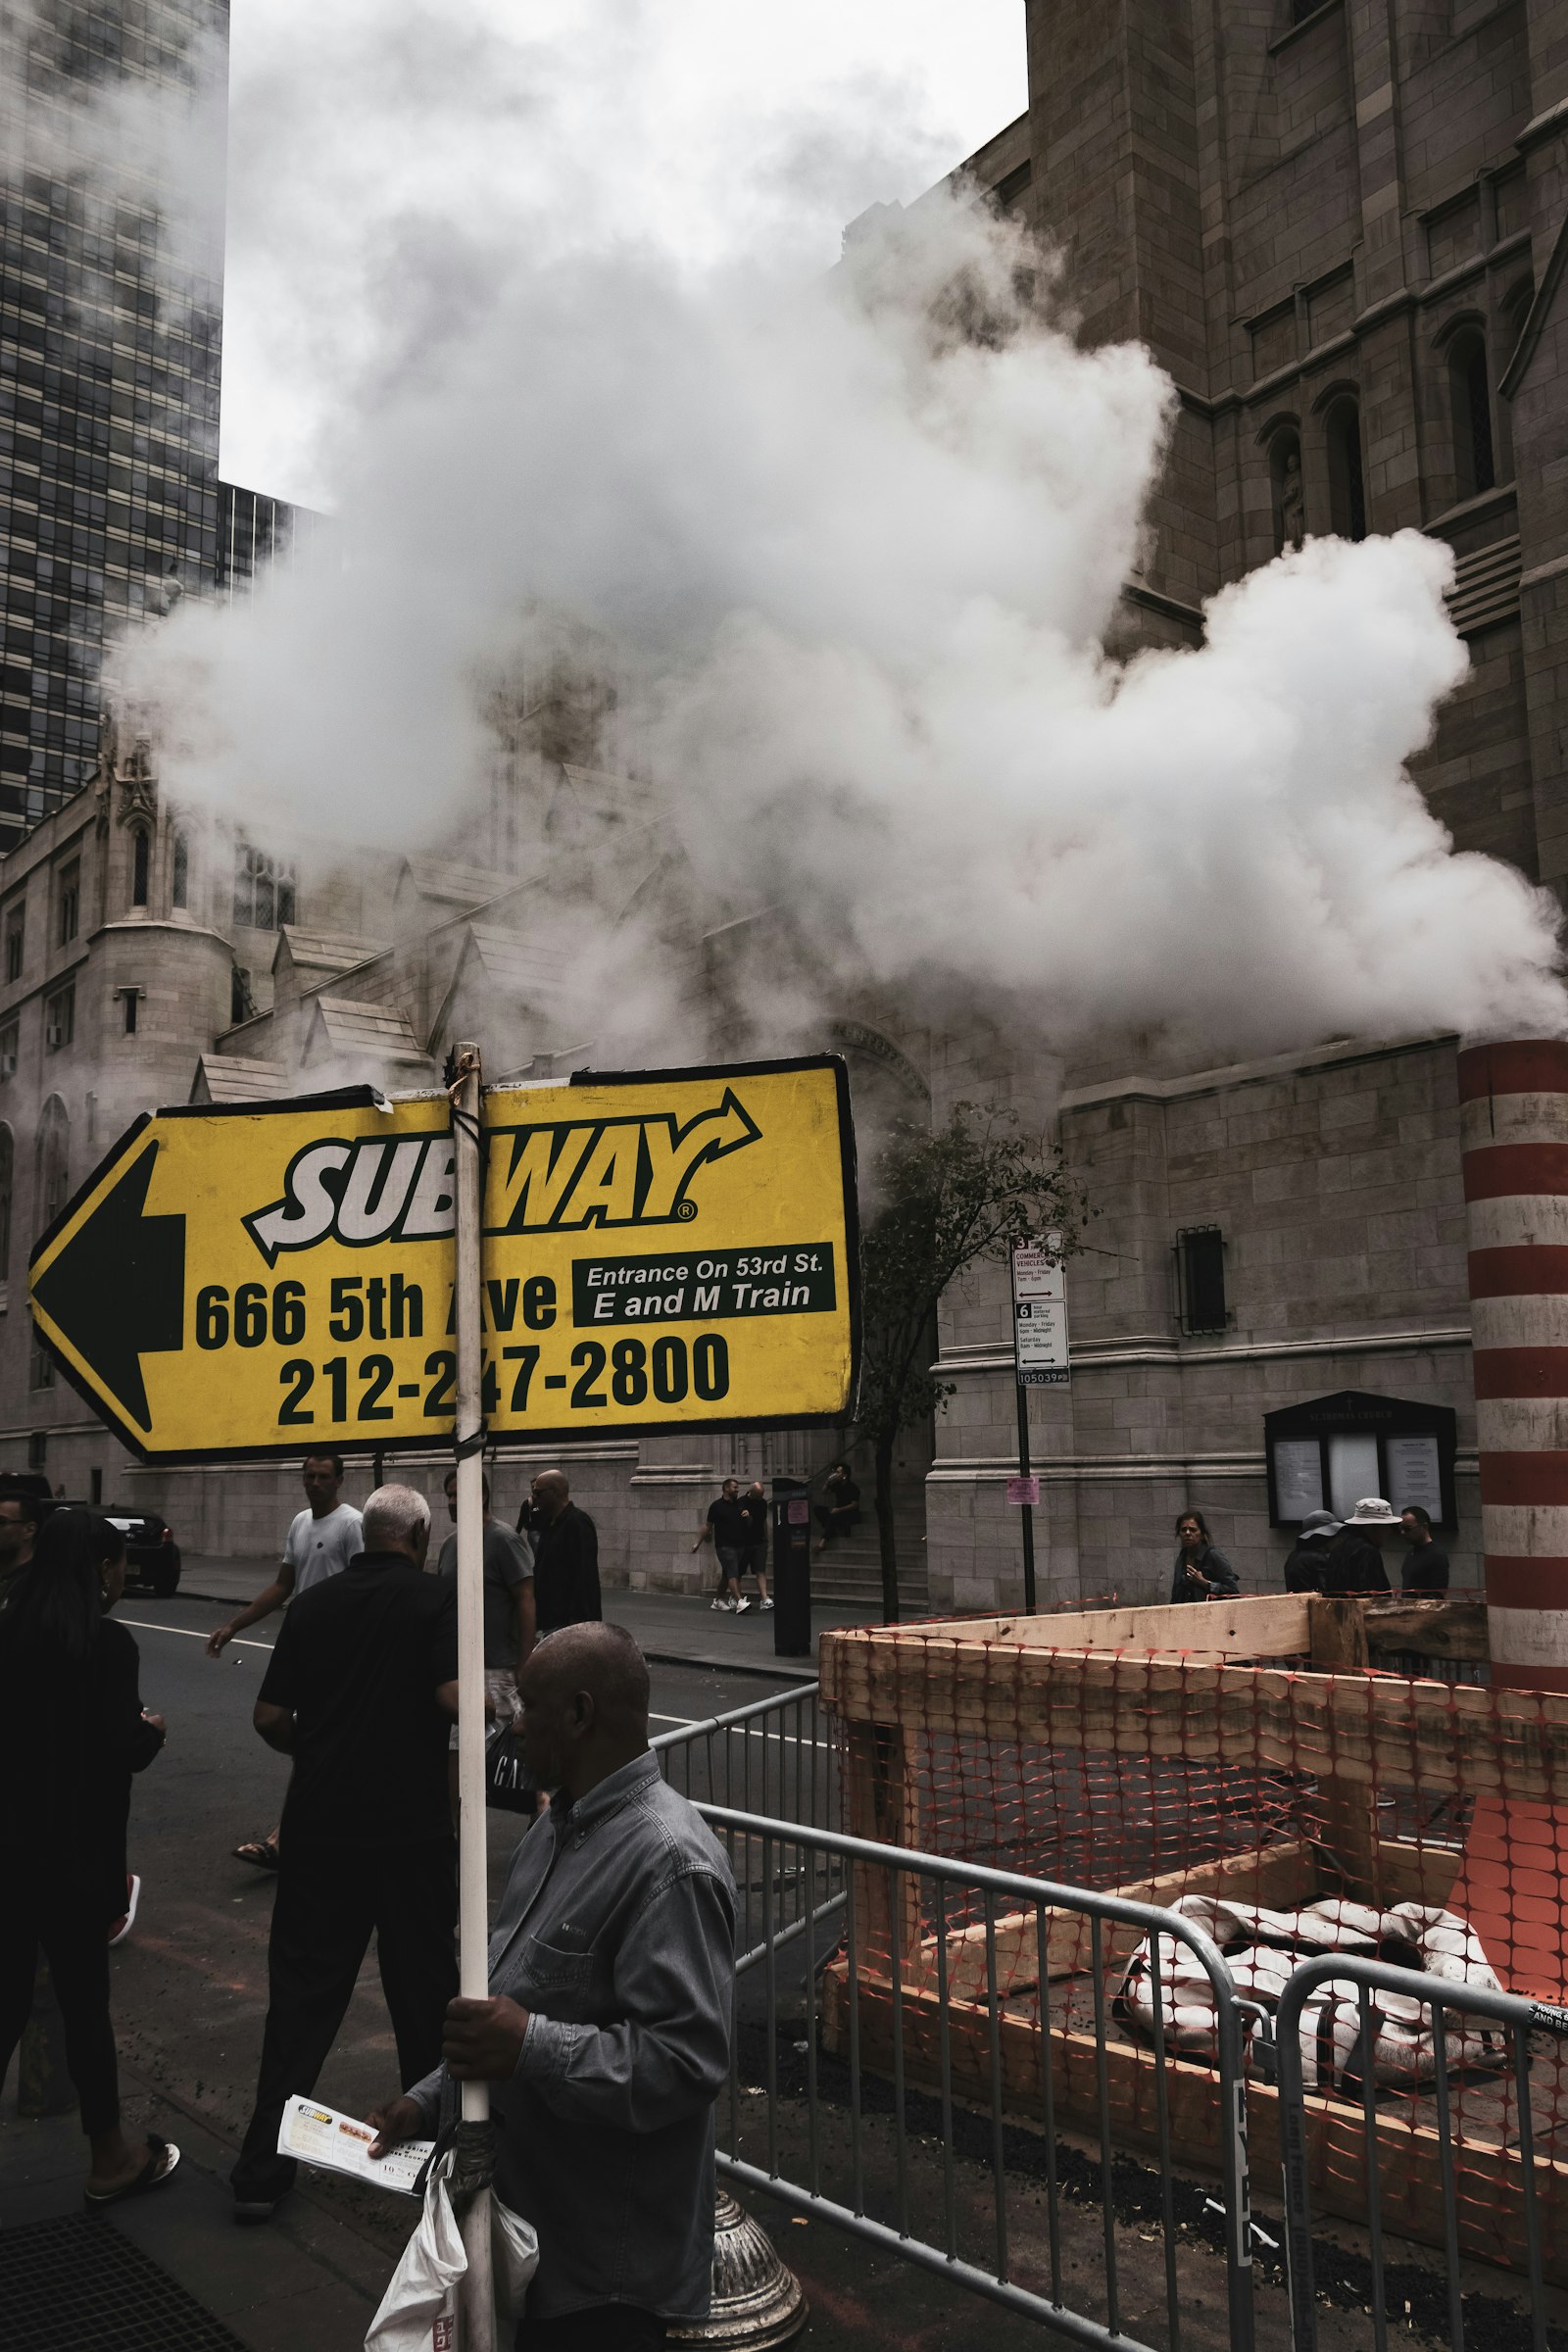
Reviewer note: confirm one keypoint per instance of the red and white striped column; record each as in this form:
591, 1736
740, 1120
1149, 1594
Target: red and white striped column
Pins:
1513, 1108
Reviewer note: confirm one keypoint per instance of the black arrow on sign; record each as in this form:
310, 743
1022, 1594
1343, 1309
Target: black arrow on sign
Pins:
116, 1291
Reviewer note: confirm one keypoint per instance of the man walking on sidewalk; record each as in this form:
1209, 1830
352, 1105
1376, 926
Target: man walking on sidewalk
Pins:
322, 1541
361, 1691
753, 1559
510, 1617
728, 1527
606, 2033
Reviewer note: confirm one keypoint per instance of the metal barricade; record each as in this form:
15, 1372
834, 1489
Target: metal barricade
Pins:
821, 1993
773, 1757
1517, 2017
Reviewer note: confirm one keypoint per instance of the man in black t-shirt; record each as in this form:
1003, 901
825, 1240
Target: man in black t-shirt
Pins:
727, 1526
753, 1559
361, 1691
1426, 1563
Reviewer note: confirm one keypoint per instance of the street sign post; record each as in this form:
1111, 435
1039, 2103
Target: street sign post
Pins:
1040, 1360
640, 1252
659, 1251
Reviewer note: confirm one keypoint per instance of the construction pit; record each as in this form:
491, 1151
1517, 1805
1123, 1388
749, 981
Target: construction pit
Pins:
1296, 1773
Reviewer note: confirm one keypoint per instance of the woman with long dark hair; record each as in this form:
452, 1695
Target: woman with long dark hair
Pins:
1202, 1571
72, 1732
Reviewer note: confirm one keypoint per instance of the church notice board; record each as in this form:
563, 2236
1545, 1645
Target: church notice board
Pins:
660, 1249
1328, 1453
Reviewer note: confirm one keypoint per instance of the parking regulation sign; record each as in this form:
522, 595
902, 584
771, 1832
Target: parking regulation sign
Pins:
660, 1249
1039, 1315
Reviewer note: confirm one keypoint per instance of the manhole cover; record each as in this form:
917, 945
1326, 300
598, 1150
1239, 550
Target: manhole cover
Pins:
77, 2285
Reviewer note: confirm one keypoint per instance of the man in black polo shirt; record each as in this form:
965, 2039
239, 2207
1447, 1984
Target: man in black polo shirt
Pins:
361, 1691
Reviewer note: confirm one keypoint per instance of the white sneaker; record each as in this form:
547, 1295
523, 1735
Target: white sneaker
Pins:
741, 1608
764, 1604
718, 1604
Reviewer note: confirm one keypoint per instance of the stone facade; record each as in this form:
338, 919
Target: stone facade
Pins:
1343, 232
1334, 1180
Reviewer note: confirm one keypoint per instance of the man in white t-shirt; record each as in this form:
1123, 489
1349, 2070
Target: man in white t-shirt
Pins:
322, 1541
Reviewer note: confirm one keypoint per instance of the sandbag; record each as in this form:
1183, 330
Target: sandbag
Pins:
1263, 1946
419, 2313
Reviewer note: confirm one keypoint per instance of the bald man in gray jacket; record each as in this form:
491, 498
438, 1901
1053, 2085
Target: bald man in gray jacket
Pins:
606, 2036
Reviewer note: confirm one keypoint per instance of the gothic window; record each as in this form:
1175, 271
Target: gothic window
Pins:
263, 889
180, 868
68, 903
140, 861
1346, 478
8, 1166
1285, 483
60, 1018
53, 1161
1470, 396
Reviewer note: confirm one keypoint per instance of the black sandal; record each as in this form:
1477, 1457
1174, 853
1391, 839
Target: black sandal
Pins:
262, 1852
163, 2157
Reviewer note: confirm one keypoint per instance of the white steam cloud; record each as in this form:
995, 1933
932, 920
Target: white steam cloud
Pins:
849, 543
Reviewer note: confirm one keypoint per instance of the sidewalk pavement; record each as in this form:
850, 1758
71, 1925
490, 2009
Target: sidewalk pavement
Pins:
674, 1629
309, 2282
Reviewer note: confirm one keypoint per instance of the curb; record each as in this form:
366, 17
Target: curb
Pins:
779, 1671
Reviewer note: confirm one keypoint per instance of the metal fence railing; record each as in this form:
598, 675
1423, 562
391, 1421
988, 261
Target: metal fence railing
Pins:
825, 2016
776, 1758
1513, 2186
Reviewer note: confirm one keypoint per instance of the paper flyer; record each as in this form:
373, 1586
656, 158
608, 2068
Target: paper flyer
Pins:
341, 2144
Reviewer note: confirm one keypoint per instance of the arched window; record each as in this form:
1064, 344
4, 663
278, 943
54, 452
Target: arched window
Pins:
8, 1169
1285, 483
1346, 480
180, 868
54, 1163
1470, 397
140, 862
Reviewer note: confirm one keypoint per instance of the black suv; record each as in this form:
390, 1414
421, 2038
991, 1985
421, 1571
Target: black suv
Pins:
152, 1556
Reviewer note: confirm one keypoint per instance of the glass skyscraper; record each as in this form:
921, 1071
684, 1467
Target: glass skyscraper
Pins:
110, 355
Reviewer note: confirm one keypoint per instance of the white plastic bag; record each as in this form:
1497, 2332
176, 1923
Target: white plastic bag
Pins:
419, 2310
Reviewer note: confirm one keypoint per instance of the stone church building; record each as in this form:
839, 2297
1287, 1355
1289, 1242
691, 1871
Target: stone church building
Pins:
1344, 234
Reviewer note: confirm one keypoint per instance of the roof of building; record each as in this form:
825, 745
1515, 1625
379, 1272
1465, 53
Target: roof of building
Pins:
321, 952
346, 1026
237, 1078
449, 884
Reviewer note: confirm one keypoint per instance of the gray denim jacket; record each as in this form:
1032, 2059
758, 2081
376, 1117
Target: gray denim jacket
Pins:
616, 1933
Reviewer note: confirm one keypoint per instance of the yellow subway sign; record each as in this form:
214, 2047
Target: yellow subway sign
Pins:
660, 1249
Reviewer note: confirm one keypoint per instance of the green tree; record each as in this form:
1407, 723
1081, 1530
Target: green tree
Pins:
945, 1200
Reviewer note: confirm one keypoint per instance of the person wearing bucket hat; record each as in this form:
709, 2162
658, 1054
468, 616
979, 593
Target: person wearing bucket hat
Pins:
1356, 1557
1304, 1570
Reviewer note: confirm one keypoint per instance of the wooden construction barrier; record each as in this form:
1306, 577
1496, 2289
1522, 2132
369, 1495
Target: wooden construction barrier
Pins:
1275, 1752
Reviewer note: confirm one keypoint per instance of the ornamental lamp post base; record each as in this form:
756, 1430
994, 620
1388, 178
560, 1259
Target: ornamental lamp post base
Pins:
757, 2302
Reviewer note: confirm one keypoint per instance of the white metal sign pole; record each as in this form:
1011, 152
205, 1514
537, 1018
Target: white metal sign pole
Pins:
474, 1903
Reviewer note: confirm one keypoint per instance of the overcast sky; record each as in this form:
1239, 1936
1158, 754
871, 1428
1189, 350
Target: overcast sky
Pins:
367, 132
